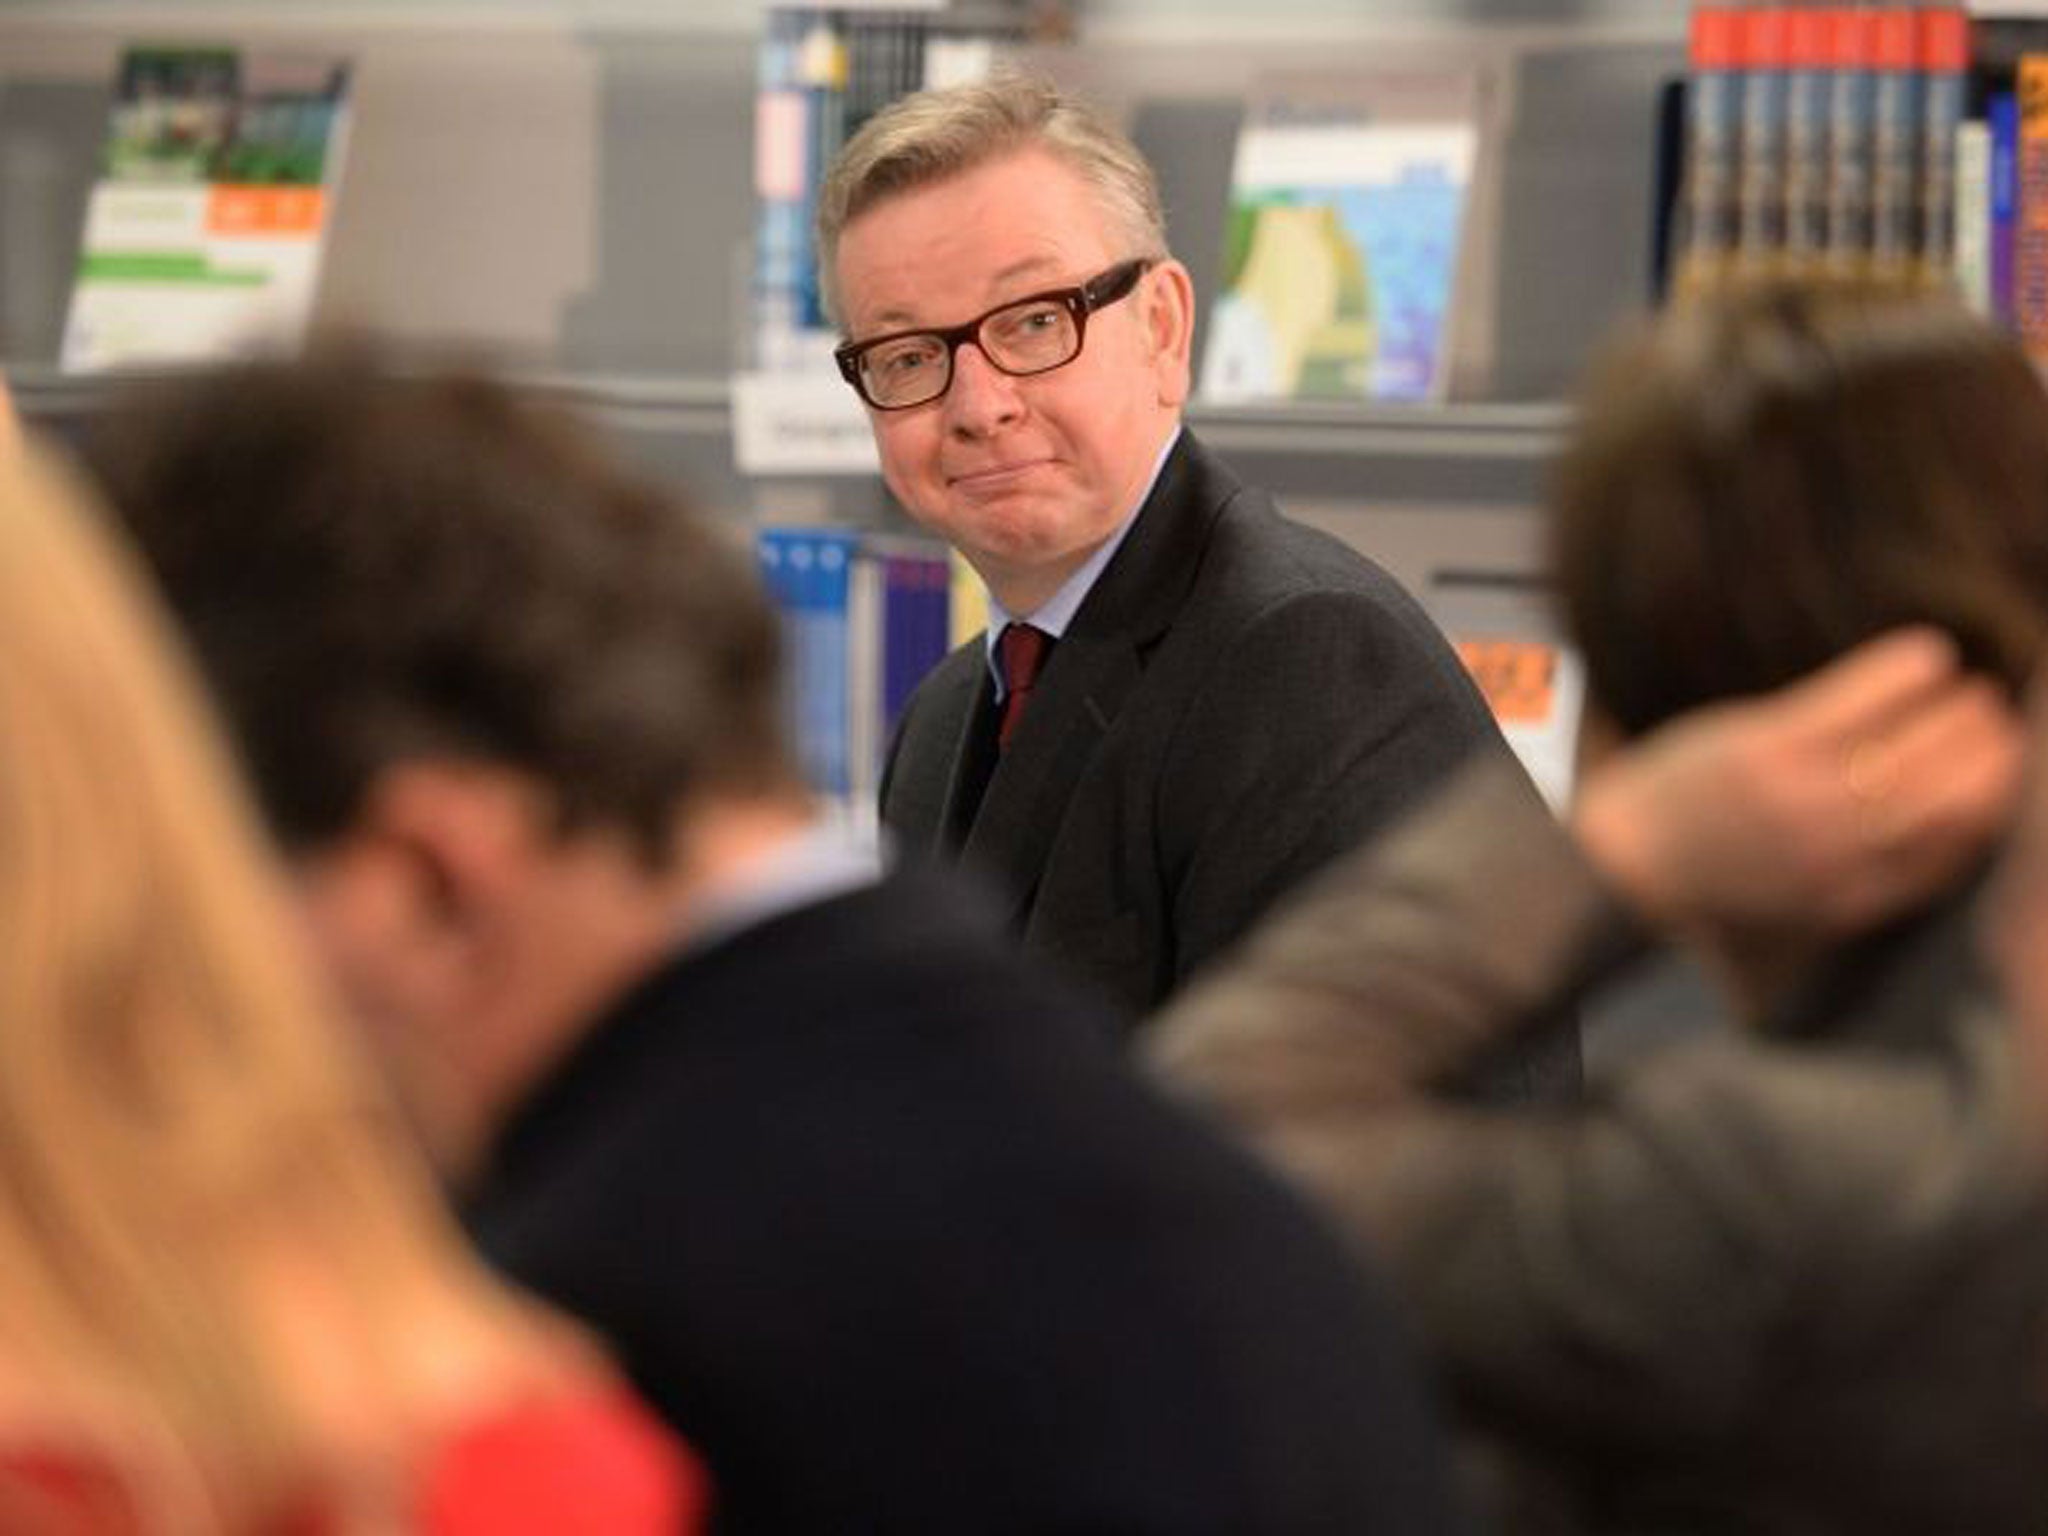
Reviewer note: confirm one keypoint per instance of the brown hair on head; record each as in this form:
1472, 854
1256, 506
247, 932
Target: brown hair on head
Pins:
378, 566
1763, 478
933, 136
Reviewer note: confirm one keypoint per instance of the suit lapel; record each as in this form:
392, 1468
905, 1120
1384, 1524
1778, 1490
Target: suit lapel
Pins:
1093, 671
1079, 697
937, 771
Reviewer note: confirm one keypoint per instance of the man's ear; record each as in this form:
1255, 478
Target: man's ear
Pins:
1168, 300
465, 837
409, 905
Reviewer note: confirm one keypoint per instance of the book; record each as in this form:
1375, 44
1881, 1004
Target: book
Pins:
1347, 212
1898, 86
2002, 118
1711, 181
807, 574
1762, 190
2030, 235
1809, 97
1941, 42
1852, 140
967, 600
1537, 691
205, 230
1972, 255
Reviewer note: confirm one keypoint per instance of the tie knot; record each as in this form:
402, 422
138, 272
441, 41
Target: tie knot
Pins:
1022, 649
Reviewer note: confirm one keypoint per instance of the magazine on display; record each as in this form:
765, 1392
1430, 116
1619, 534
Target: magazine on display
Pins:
205, 230
1348, 213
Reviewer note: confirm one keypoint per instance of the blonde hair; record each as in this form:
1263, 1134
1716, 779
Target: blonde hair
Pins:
933, 136
171, 1082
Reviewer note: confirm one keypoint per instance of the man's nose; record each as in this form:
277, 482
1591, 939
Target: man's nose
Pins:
982, 397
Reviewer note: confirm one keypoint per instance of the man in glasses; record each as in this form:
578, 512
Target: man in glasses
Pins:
1184, 703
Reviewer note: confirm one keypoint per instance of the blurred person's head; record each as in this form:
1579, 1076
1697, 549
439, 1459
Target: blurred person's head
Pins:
508, 706
1021, 214
217, 1243
1765, 477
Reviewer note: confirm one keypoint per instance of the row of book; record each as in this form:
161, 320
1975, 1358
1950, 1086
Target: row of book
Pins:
1823, 138
865, 617
822, 74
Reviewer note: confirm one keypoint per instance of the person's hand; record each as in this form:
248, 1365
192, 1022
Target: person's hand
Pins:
2015, 930
1830, 805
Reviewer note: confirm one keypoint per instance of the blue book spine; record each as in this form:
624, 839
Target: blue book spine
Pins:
1713, 167
1851, 137
1897, 115
774, 549
821, 70
1809, 101
1760, 238
1942, 51
831, 716
2003, 113
899, 602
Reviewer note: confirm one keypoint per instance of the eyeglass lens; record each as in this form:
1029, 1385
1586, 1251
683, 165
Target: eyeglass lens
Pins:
1032, 337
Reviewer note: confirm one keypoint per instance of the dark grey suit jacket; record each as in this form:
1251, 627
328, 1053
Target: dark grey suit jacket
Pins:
1238, 700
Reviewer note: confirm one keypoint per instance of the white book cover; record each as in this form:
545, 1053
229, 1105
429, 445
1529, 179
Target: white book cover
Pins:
1973, 216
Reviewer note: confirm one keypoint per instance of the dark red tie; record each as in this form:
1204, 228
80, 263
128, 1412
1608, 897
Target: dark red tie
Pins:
1023, 651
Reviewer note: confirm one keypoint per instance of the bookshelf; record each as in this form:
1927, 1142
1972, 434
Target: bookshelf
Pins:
611, 147
1461, 455
607, 145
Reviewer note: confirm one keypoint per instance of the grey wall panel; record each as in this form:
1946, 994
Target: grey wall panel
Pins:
675, 201
49, 130
1574, 246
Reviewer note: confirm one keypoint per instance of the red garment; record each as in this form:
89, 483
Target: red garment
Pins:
565, 1466
586, 1464
46, 1492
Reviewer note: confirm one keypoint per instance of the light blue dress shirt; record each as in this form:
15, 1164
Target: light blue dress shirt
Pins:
1057, 612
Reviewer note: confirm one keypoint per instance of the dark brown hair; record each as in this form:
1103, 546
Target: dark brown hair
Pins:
1763, 478
377, 567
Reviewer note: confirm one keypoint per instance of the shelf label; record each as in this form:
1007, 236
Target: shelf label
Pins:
800, 424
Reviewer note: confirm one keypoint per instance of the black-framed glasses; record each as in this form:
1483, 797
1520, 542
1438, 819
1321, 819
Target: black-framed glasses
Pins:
1020, 338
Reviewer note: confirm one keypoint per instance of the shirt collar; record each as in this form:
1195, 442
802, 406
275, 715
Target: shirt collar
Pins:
826, 859
1057, 612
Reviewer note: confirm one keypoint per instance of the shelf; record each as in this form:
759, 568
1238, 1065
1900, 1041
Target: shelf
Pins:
702, 405
1465, 455
1527, 432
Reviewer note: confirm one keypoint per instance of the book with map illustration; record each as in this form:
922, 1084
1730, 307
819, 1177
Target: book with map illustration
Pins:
1348, 214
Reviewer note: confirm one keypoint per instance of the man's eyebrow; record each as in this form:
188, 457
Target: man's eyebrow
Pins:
902, 319
1027, 266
